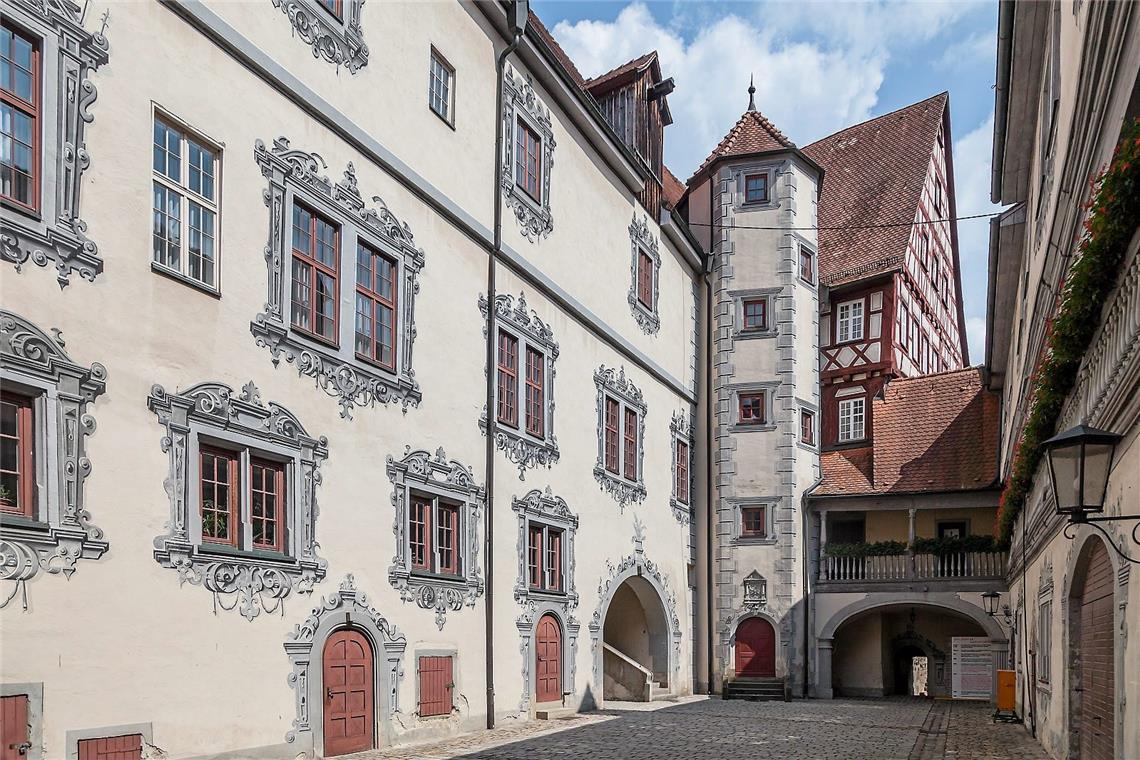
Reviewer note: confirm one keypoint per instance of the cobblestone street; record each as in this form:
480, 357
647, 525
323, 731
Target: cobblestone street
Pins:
718, 730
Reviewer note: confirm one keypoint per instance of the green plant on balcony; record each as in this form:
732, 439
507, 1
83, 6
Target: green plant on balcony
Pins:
874, 549
944, 546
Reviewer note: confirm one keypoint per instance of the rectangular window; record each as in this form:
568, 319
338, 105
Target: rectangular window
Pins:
938, 198
752, 408
851, 416
535, 406
434, 535
849, 321
924, 353
335, 7
316, 242
756, 314
534, 556
441, 82
756, 188
682, 472
807, 427
376, 315
924, 250
17, 444
111, 748
528, 166
436, 684
219, 495
904, 327
19, 118
629, 449
807, 266
753, 522
267, 504
613, 409
508, 412
184, 181
447, 524
1044, 638
645, 280
544, 557
915, 331
419, 523
553, 559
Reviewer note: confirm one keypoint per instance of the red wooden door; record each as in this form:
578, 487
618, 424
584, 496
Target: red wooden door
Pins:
111, 748
755, 648
436, 683
13, 726
349, 697
548, 660
1097, 666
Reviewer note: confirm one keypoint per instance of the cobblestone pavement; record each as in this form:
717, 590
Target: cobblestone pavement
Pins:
713, 729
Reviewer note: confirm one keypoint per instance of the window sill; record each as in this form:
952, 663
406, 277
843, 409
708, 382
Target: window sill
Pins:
183, 279
373, 363
424, 575
443, 118
755, 541
752, 333
14, 520
543, 593
304, 334
206, 549
24, 211
751, 427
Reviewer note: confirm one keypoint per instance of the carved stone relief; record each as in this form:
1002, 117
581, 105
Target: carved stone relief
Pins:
340, 41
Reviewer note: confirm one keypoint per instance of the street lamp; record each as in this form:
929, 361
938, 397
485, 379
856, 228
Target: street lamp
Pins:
990, 601
1080, 460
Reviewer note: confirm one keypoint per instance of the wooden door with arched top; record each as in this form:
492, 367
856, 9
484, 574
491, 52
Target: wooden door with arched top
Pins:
1096, 661
755, 648
548, 660
349, 698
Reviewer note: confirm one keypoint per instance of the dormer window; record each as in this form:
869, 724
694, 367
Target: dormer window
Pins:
528, 161
756, 188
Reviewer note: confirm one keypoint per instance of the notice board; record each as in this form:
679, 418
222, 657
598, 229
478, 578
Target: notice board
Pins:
972, 674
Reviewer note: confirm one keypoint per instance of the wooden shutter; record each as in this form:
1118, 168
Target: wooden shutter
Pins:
112, 748
13, 726
436, 683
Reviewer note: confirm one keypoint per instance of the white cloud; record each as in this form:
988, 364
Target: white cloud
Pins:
979, 46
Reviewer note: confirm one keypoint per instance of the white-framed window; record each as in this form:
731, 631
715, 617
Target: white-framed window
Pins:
1044, 638
849, 321
924, 249
186, 183
851, 419
441, 87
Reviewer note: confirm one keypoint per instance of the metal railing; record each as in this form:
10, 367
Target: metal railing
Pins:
908, 567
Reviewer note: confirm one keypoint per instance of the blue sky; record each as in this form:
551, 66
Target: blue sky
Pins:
819, 67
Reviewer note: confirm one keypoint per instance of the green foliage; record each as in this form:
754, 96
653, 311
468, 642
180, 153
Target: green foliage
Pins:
877, 549
1113, 218
942, 546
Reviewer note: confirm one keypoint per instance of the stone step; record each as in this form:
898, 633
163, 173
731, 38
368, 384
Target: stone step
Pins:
553, 713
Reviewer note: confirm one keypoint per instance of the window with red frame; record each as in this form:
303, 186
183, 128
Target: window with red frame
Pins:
807, 265
314, 268
17, 446
544, 557
419, 532
753, 522
629, 450
335, 7
807, 427
756, 314
433, 535
447, 533
612, 445
19, 118
756, 188
267, 504
682, 472
535, 407
752, 408
645, 280
528, 163
219, 493
508, 379
376, 315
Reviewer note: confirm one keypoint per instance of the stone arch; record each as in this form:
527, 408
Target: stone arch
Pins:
733, 624
527, 624
972, 611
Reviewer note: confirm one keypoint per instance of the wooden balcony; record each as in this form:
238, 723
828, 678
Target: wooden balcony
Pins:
968, 570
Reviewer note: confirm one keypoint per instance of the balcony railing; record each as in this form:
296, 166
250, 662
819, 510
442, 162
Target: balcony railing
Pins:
913, 567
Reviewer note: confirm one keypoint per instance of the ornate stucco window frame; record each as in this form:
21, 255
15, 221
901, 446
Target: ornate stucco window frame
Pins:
340, 41
681, 430
520, 101
294, 174
256, 580
773, 169
522, 448
436, 475
769, 389
60, 532
770, 505
643, 241
614, 383
54, 233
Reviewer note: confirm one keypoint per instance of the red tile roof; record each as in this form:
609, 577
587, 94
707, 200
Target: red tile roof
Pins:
752, 133
535, 22
874, 175
931, 433
672, 187
637, 64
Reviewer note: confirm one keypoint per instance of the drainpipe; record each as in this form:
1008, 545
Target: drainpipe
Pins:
710, 404
516, 18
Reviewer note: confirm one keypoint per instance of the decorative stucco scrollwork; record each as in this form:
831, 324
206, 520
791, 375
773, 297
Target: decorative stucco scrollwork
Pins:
614, 383
340, 41
525, 450
521, 103
643, 241
55, 531
335, 369
755, 591
438, 477
238, 577
681, 429
69, 54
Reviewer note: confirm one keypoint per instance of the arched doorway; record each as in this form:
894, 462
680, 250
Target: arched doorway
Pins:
1094, 695
755, 649
635, 642
911, 666
349, 698
548, 660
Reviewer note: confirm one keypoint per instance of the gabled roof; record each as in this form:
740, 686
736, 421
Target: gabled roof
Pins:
615, 77
534, 22
875, 173
752, 133
931, 433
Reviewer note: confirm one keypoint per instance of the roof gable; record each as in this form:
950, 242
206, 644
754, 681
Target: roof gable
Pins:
752, 133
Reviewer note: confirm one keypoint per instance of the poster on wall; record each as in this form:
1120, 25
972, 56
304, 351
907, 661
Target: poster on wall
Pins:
972, 673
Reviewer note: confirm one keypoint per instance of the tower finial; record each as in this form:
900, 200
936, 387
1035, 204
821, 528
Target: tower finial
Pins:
751, 93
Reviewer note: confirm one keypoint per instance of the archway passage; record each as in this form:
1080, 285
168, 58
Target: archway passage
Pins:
911, 666
548, 659
635, 643
1094, 652
755, 649
349, 697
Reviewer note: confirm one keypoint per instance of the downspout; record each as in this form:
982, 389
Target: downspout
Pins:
710, 404
1001, 96
516, 17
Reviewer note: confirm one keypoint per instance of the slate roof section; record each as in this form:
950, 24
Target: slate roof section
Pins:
932, 433
874, 175
752, 133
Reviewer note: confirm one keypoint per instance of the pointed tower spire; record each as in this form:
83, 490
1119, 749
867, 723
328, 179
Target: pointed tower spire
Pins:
751, 94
